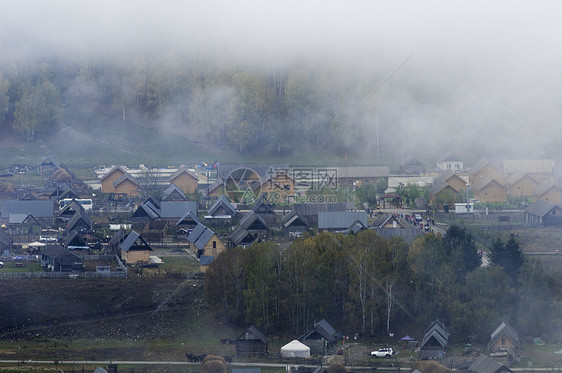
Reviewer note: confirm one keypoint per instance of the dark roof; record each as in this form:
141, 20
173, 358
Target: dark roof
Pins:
204, 238
206, 260
25, 219
486, 364
438, 187
173, 189
309, 209
77, 217
340, 219
410, 161
383, 219
5, 238
39, 209
223, 202
251, 222
438, 332
293, 217
118, 237
188, 217
145, 211
71, 208
196, 233
262, 206
356, 227
74, 240
214, 186
508, 331
134, 241
540, 208
324, 329
176, 209
252, 333
152, 202
182, 170
55, 251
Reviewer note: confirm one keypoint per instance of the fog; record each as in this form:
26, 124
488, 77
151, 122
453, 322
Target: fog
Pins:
488, 73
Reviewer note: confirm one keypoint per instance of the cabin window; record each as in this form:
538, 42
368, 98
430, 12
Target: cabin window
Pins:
503, 341
214, 244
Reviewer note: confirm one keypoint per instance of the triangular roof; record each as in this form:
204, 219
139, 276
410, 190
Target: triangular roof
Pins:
176, 209
204, 238
294, 217
262, 206
480, 165
486, 364
118, 237
214, 186
173, 193
223, 202
251, 222
123, 178
544, 187
439, 186
152, 203
451, 158
74, 240
514, 178
38, 208
182, 170
543, 166
410, 161
76, 218
188, 218
437, 332
55, 251
134, 242
71, 208
114, 169
340, 219
504, 329
25, 219
196, 233
540, 208
324, 329
485, 182
252, 333
383, 219
145, 211
356, 227
49, 161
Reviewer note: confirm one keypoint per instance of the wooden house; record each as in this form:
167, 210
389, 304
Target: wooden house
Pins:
309, 211
207, 244
356, 227
126, 185
155, 230
388, 221
116, 240
252, 229
504, 343
188, 221
485, 169
452, 179
548, 191
544, 214
490, 190
214, 190
279, 183
110, 177
439, 189
6, 241
251, 343
63, 191
521, 184
48, 166
486, 364
134, 249
411, 166
340, 221
264, 210
294, 224
38, 208
435, 341
451, 163
80, 222
69, 210
74, 241
320, 338
26, 224
173, 193
59, 259
358, 175
222, 211
185, 180
144, 213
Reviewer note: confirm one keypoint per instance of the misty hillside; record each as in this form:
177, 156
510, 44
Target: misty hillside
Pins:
315, 83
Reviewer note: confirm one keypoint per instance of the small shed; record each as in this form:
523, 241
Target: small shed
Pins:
134, 249
504, 343
320, 337
251, 343
58, 259
486, 364
295, 349
435, 341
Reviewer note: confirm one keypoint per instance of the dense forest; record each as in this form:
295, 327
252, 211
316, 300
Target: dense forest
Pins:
272, 110
367, 284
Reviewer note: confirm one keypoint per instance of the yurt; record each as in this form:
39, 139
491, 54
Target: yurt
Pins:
295, 349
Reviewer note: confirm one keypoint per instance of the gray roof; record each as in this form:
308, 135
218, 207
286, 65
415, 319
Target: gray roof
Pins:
262, 204
362, 172
451, 158
196, 232
323, 328
544, 187
130, 243
39, 209
356, 227
508, 331
118, 237
438, 186
485, 182
171, 189
120, 168
290, 218
485, 364
480, 165
188, 216
204, 238
540, 208
252, 333
340, 219
263, 170
438, 331
223, 202
125, 177
54, 251
543, 166
309, 209
385, 218
176, 209
145, 210
206, 260
251, 222
77, 217
48, 160
74, 236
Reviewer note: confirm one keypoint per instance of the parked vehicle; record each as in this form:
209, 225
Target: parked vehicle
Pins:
47, 239
386, 352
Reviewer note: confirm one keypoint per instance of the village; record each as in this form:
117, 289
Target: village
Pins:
135, 222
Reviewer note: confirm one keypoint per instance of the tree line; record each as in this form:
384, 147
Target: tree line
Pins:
365, 283
251, 108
